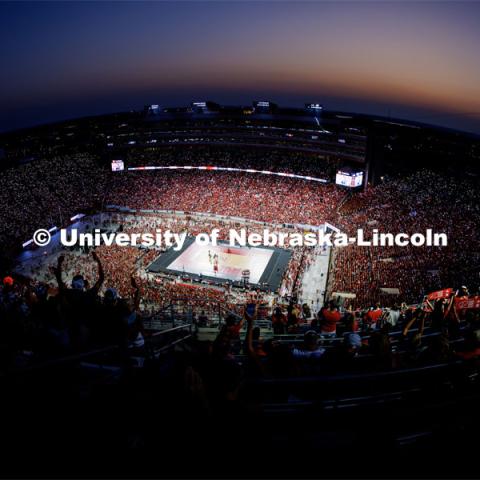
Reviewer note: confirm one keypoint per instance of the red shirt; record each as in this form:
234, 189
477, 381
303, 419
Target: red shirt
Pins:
374, 315
330, 319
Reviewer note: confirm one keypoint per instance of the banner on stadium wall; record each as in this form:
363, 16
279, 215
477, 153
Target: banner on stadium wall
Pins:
344, 295
309, 228
390, 291
228, 169
439, 294
467, 303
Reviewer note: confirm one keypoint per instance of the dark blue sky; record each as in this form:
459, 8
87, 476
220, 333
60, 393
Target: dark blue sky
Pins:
417, 60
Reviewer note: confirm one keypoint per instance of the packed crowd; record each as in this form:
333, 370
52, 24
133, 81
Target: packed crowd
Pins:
257, 197
82, 300
48, 192
413, 204
376, 338
83, 310
159, 291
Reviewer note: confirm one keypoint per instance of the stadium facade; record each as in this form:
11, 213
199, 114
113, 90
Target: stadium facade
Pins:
379, 146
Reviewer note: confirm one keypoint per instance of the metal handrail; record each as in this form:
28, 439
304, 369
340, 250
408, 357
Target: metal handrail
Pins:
294, 336
172, 344
169, 330
170, 311
58, 362
355, 376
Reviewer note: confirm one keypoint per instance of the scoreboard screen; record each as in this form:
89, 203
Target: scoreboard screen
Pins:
349, 179
117, 165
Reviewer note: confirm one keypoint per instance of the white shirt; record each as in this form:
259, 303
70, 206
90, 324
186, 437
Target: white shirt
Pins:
392, 317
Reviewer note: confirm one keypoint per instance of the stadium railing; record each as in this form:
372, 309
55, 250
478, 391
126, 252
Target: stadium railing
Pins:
339, 391
183, 311
109, 359
165, 340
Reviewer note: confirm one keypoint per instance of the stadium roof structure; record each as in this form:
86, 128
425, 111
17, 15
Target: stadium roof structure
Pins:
387, 145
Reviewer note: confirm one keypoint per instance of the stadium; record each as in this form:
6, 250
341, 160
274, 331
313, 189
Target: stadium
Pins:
319, 344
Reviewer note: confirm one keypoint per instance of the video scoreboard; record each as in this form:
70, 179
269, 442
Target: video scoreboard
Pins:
349, 178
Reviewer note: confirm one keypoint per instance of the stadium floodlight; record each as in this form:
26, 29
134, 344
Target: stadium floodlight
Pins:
317, 107
264, 106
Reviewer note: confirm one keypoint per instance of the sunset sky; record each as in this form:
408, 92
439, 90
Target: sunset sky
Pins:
414, 60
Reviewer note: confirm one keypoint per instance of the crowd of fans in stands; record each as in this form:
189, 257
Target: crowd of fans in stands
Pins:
258, 197
410, 205
161, 290
39, 322
48, 192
